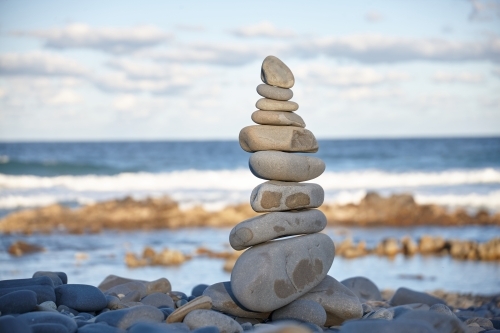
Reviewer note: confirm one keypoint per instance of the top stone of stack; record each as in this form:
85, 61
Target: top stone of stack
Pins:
275, 73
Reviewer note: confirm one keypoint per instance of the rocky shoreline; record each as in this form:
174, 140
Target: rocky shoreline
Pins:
159, 213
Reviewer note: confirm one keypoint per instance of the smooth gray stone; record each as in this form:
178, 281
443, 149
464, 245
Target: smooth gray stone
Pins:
201, 318
276, 196
47, 306
158, 328
81, 297
11, 324
407, 296
363, 288
276, 93
386, 326
441, 308
158, 300
282, 138
442, 323
32, 318
398, 311
262, 228
100, 328
198, 290
302, 309
287, 167
127, 317
113, 302
339, 302
161, 285
111, 281
381, 314
133, 296
483, 322
42, 286
67, 310
48, 328
207, 329
128, 287
275, 73
278, 118
266, 104
57, 278
20, 301
223, 300
367, 308
268, 276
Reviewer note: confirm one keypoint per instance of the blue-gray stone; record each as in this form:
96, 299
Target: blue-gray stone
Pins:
404, 296
386, 326
32, 318
125, 318
13, 325
207, 329
57, 278
363, 288
80, 297
199, 289
100, 328
159, 328
440, 322
21, 301
49, 328
65, 309
158, 300
42, 286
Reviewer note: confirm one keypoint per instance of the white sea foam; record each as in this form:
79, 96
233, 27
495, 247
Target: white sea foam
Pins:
18, 201
473, 200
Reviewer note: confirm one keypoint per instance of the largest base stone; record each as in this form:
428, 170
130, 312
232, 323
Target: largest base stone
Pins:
271, 275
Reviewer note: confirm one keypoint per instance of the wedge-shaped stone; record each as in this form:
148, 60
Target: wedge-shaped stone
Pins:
283, 138
339, 302
268, 276
288, 167
275, 73
276, 196
201, 302
269, 226
276, 93
278, 118
267, 104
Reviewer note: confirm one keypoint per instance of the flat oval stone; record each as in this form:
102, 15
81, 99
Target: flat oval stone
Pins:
404, 296
268, 276
127, 317
263, 228
276, 196
12, 325
201, 302
44, 317
201, 318
363, 288
223, 300
288, 167
20, 301
57, 278
81, 297
283, 138
158, 300
339, 302
278, 118
42, 286
267, 104
275, 73
303, 310
276, 93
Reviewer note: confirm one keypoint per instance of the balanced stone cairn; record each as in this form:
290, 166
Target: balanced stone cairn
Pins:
288, 276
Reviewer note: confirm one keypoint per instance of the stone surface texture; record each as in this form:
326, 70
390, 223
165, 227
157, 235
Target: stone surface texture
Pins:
404, 296
276, 93
275, 73
303, 310
267, 104
278, 118
363, 288
81, 297
282, 138
276, 196
200, 318
199, 303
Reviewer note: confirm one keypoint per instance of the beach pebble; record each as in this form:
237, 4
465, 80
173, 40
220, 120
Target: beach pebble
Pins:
177, 295
276, 196
276, 93
278, 118
43, 317
275, 73
381, 314
158, 300
201, 302
303, 310
201, 318
11, 324
262, 228
398, 311
100, 328
47, 306
198, 290
269, 276
483, 322
161, 285
42, 286
133, 296
407, 296
57, 278
386, 326
81, 297
20, 301
443, 309
267, 104
128, 287
207, 329
224, 300
111, 281
339, 302
282, 138
127, 317
440, 322
48, 328
158, 328
288, 167
363, 288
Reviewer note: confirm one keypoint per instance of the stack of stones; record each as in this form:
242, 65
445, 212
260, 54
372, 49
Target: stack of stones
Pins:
287, 277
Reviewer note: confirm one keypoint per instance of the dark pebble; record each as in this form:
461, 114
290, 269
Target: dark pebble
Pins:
80, 297
157, 328
496, 323
407, 296
125, 318
42, 286
21, 301
386, 326
124, 289
199, 289
133, 296
207, 329
56, 277
66, 309
100, 328
181, 302
158, 300
13, 325
113, 302
85, 315
167, 311
49, 328
246, 326
32, 318
177, 295
190, 298
440, 322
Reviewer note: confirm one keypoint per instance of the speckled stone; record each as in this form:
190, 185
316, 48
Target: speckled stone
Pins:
199, 303
287, 167
268, 276
363, 288
267, 104
57, 278
263, 228
404, 296
278, 118
44, 317
440, 322
10, 324
339, 302
275, 73
20, 301
276, 93
282, 138
276, 196
201, 318
81, 297
303, 310
42, 286
224, 300
158, 300
127, 317
127, 288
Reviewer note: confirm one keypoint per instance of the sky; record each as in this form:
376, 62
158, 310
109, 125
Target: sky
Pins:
170, 70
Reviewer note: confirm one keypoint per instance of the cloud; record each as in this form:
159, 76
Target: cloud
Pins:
368, 94
125, 102
464, 77
484, 10
496, 72
347, 76
112, 40
374, 16
263, 29
39, 64
190, 28
64, 98
119, 82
